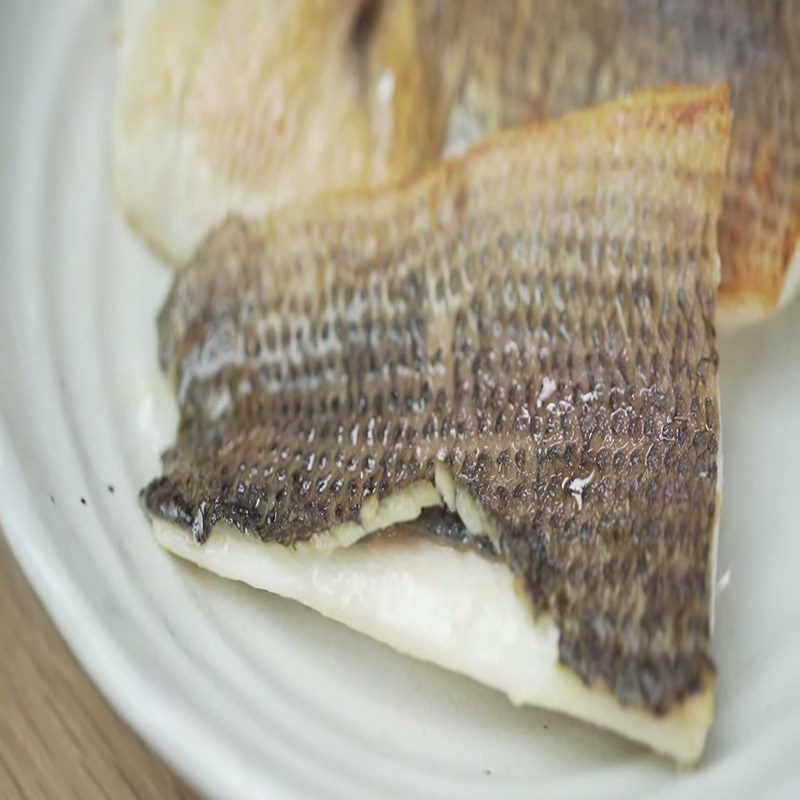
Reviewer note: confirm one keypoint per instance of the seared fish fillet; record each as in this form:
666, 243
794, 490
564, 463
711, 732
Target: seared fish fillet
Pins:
241, 107
532, 58
226, 107
514, 352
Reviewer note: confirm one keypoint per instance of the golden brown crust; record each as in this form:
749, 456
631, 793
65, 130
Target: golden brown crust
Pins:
757, 253
666, 110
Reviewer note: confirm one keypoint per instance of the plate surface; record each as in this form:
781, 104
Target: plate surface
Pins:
249, 695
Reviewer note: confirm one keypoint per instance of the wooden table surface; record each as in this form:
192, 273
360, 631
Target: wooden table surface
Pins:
59, 738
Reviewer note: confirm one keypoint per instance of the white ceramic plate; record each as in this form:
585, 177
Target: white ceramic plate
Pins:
249, 695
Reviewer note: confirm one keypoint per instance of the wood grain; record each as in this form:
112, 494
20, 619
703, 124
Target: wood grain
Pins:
59, 738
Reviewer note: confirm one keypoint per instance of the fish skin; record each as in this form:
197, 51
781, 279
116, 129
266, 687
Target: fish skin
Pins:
335, 352
526, 59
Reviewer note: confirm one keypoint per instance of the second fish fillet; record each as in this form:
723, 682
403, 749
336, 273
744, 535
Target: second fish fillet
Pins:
240, 107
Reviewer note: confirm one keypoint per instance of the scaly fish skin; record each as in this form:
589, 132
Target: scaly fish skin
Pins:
525, 59
525, 334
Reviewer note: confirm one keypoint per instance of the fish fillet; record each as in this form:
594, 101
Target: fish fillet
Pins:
226, 107
242, 107
514, 353
531, 58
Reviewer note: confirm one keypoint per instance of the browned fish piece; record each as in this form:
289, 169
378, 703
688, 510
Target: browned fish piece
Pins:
243, 107
528, 59
523, 337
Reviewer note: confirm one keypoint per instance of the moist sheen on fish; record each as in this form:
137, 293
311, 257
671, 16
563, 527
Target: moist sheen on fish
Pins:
524, 335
